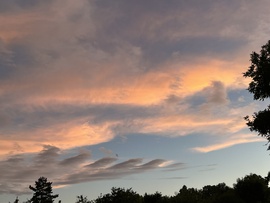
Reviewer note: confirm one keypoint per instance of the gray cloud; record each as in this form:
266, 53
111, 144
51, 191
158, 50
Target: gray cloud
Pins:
187, 27
65, 169
175, 166
15, 5
129, 164
48, 154
75, 159
209, 167
6, 61
119, 170
217, 93
189, 47
152, 164
107, 152
102, 162
64, 60
176, 178
209, 97
21, 118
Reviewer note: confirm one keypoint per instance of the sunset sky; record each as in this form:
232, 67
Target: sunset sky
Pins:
148, 95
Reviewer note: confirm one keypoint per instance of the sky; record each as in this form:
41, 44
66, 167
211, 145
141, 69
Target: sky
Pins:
148, 95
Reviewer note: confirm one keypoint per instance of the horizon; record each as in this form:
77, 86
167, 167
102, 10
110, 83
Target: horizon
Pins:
176, 193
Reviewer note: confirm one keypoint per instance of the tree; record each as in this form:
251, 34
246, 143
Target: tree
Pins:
187, 195
211, 193
154, 198
259, 72
82, 199
16, 200
42, 191
229, 197
252, 188
120, 195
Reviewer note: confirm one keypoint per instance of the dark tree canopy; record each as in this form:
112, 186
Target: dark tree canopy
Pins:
259, 72
120, 195
252, 188
260, 123
42, 191
16, 200
82, 199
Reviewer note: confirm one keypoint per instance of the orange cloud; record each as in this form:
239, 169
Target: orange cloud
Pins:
70, 72
181, 125
226, 144
201, 74
17, 25
66, 136
78, 85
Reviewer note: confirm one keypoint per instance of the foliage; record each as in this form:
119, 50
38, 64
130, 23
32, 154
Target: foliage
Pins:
82, 199
42, 191
16, 200
250, 189
211, 193
120, 195
187, 195
155, 198
259, 72
260, 123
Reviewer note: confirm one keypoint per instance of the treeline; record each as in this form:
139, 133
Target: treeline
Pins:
250, 189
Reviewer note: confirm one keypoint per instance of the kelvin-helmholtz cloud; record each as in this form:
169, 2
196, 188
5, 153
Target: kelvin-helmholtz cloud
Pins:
79, 73
71, 170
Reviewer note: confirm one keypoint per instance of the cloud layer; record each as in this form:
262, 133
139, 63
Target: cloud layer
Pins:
70, 170
80, 73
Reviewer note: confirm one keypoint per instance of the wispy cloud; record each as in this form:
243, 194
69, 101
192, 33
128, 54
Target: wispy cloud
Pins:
66, 169
80, 73
228, 143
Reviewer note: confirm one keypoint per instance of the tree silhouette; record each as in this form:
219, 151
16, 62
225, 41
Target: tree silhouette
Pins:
259, 72
42, 191
252, 188
155, 198
211, 193
16, 200
82, 199
187, 195
120, 195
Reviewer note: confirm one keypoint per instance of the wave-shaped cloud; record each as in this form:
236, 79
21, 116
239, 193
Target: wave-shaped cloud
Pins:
81, 73
65, 169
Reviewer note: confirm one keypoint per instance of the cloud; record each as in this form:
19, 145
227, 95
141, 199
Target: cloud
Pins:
127, 164
64, 169
176, 178
69, 125
179, 19
107, 152
218, 93
174, 166
153, 164
85, 72
228, 143
75, 159
15, 5
102, 162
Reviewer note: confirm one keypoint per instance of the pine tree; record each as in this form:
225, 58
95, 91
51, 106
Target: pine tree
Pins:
42, 191
16, 200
